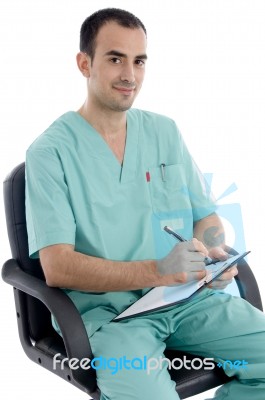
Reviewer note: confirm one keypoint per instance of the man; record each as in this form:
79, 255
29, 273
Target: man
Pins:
102, 183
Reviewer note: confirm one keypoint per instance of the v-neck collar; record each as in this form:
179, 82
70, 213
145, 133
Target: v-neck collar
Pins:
130, 158
126, 171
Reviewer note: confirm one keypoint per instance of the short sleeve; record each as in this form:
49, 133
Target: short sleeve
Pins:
49, 215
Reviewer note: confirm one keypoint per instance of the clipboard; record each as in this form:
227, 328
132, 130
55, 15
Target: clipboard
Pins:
164, 296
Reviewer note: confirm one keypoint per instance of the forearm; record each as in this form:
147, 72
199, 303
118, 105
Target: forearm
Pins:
210, 231
64, 267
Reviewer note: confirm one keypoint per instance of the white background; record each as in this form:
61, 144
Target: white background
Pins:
206, 70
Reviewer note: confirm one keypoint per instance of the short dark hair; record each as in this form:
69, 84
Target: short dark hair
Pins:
94, 22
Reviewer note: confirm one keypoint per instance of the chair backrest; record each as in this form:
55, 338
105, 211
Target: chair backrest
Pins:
14, 201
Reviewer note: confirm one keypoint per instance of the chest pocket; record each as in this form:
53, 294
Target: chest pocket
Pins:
168, 188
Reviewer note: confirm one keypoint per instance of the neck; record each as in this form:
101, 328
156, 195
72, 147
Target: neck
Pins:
110, 125
106, 122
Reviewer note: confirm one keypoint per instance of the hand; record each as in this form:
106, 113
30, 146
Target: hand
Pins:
185, 262
226, 278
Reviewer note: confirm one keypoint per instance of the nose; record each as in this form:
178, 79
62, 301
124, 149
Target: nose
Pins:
127, 73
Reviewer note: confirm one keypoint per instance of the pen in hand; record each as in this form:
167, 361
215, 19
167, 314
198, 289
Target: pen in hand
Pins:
207, 260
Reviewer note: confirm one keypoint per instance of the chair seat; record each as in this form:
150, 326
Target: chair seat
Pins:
194, 381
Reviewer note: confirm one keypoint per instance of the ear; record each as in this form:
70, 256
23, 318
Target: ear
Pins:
83, 63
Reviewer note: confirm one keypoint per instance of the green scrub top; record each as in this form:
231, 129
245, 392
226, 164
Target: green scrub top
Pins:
78, 193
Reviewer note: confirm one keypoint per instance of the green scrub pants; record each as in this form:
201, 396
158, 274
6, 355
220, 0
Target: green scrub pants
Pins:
213, 324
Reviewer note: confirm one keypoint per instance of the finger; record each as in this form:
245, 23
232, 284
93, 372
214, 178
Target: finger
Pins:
194, 256
219, 284
196, 245
185, 277
218, 253
192, 247
229, 274
195, 266
196, 275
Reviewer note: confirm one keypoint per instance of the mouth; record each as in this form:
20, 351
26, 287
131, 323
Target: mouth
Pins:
124, 90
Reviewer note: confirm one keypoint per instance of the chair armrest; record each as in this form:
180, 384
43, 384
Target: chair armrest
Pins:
70, 322
246, 282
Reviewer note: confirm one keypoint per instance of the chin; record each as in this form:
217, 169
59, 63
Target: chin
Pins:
122, 107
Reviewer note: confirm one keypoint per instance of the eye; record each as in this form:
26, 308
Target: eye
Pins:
140, 63
115, 60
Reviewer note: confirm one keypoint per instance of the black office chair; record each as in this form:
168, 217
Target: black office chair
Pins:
35, 302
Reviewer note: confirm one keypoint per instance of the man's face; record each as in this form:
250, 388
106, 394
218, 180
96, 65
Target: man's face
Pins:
118, 67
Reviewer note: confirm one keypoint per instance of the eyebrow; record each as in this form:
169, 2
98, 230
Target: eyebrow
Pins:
119, 54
